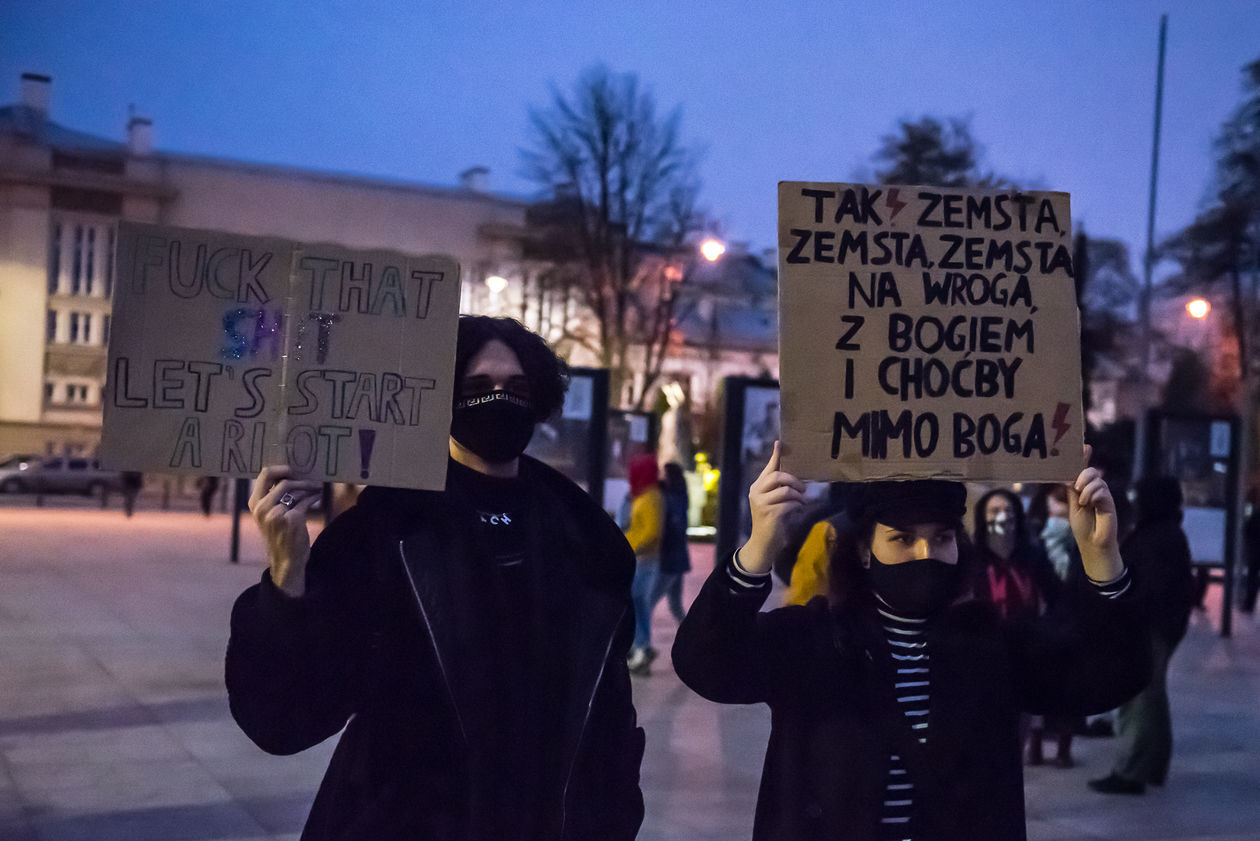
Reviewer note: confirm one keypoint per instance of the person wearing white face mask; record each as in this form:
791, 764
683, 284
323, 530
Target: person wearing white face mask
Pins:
895, 701
1012, 573
1050, 508
1056, 533
1012, 570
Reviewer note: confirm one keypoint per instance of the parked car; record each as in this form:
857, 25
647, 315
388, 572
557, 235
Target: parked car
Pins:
16, 472
61, 476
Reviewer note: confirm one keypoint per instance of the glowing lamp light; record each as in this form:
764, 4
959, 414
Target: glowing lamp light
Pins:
1198, 308
496, 283
712, 249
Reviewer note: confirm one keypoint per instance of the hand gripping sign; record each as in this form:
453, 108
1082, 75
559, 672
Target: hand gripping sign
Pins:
927, 332
231, 352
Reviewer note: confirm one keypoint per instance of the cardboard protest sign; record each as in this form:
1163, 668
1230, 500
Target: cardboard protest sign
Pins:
927, 332
229, 353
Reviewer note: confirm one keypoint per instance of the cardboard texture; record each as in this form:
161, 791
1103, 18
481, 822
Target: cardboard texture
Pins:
928, 332
229, 353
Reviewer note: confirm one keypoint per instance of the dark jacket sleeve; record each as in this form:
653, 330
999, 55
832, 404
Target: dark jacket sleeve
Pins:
727, 650
1087, 655
293, 665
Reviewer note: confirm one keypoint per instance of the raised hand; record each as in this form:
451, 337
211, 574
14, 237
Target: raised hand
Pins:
1092, 514
279, 503
775, 496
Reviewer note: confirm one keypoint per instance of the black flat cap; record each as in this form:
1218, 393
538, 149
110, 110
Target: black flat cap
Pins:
903, 504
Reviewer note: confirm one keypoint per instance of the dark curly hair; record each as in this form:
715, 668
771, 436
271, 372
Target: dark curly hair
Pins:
548, 374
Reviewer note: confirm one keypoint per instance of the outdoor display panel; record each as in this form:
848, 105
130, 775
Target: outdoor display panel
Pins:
750, 426
927, 332
574, 441
1201, 452
230, 352
630, 434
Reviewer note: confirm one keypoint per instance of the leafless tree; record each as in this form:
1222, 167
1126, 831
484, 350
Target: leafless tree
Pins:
619, 202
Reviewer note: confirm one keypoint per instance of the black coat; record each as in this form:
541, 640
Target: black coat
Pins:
379, 640
1159, 554
825, 675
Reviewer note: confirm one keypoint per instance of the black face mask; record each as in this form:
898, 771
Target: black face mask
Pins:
495, 425
916, 588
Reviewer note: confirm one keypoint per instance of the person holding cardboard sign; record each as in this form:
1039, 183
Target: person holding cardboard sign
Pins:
472, 642
896, 701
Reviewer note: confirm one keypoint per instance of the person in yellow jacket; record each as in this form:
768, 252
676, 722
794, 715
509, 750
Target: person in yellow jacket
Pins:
805, 563
813, 560
647, 520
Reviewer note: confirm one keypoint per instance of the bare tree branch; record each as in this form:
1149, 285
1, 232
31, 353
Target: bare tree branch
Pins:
618, 186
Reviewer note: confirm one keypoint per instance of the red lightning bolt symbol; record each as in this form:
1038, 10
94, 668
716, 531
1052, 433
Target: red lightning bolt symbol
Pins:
1060, 424
895, 203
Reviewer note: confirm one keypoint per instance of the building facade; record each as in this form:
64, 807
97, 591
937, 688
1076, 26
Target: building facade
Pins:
63, 193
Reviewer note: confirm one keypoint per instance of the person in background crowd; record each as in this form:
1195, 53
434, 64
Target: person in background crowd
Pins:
675, 556
471, 642
1013, 574
132, 482
1251, 551
207, 486
1012, 570
647, 518
1048, 513
1159, 555
895, 707
1050, 509
804, 565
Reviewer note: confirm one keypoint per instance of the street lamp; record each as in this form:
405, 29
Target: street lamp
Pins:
1198, 308
497, 284
712, 249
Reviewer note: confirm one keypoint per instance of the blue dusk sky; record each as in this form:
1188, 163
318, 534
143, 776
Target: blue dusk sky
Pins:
1059, 94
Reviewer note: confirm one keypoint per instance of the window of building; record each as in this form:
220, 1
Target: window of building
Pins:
52, 326
105, 329
87, 328
114, 164
74, 328
48, 391
54, 259
109, 272
76, 269
76, 393
81, 256
89, 263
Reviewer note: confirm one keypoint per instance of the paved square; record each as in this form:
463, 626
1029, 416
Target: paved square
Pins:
114, 723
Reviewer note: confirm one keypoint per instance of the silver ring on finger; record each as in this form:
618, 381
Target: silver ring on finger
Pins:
288, 500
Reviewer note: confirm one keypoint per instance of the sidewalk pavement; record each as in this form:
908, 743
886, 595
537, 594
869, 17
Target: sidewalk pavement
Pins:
114, 723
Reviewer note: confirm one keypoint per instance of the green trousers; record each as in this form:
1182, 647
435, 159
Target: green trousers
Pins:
1144, 724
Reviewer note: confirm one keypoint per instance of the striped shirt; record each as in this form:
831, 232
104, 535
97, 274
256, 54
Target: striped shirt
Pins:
912, 683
